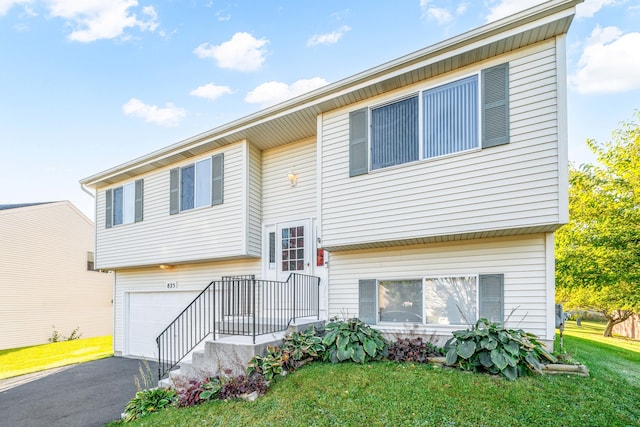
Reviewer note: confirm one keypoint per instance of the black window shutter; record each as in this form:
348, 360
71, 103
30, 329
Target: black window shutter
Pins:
174, 191
217, 179
139, 200
492, 297
358, 152
495, 106
367, 301
108, 211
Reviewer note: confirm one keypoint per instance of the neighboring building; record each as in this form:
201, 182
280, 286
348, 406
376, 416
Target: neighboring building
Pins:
423, 192
630, 328
47, 277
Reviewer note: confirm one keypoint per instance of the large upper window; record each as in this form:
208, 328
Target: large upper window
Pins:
123, 205
441, 300
435, 122
394, 133
197, 185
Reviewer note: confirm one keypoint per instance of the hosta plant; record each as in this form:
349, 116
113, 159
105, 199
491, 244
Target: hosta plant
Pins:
489, 347
148, 401
353, 340
305, 345
274, 363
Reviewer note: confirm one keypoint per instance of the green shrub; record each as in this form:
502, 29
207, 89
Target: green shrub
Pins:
305, 345
353, 340
148, 401
491, 348
272, 364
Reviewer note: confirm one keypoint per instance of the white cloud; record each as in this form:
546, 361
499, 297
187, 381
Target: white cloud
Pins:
330, 38
509, 7
270, 93
462, 8
590, 7
610, 62
5, 5
222, 17
440, 14
168, 116
243, 52
210, 91
102, 19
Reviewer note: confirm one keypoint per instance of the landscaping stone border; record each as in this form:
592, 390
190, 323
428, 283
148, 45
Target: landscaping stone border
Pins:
550, 369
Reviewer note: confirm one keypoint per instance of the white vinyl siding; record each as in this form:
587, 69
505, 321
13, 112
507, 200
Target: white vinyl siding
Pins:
522, 260
254, 190
194, 235
281, 201
189, 279
509, 187
44, 279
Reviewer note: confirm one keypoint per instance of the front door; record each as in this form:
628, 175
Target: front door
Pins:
288, 249
294, 249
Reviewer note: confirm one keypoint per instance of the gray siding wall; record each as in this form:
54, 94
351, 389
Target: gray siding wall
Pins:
199, 234
506, 187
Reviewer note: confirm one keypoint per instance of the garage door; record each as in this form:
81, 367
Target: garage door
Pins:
149, 314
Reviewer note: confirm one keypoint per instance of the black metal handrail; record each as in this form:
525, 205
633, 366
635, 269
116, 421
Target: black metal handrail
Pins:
237, 305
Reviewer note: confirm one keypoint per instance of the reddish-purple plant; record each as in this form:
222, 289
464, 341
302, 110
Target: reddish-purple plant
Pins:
413, 350
242, 385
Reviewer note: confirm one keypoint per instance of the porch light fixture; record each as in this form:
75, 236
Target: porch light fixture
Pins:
166, 267
293, 178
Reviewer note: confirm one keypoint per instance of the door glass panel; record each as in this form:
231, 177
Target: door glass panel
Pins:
292, 249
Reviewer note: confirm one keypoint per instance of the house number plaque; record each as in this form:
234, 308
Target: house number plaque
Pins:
172, 285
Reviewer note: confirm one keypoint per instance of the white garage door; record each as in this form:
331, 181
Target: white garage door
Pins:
149, 313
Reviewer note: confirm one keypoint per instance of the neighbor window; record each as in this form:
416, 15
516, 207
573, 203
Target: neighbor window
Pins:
434, 122
197, 185
124, 204
90, 261
441, 300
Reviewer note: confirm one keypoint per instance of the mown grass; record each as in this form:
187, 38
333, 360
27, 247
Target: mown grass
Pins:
25, 360
393, 394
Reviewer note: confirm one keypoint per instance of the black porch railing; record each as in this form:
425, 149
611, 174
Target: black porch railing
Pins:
237, 305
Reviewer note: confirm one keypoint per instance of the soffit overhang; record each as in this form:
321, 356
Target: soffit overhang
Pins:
296, 119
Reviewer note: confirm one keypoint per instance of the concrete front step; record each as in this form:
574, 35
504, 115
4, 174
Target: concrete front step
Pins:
230, 355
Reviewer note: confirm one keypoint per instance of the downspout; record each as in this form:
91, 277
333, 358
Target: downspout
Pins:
83, 188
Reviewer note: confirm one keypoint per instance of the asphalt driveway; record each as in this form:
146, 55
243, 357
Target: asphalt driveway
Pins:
84, 395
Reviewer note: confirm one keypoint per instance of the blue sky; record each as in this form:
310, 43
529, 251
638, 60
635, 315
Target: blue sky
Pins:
86, 85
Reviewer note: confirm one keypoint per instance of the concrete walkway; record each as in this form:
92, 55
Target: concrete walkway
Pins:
83, 395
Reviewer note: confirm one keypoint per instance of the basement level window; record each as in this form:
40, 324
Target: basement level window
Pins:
90, 262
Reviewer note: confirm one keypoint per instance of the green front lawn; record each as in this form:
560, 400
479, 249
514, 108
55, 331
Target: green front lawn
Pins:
393, 394
25, 360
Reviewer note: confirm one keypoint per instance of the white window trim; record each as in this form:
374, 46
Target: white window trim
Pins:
419, 93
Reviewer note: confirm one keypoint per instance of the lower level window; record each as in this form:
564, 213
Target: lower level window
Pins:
432, 300
400, 300
451, 300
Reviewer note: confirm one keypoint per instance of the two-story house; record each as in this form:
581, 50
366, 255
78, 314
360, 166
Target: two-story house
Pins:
423, 192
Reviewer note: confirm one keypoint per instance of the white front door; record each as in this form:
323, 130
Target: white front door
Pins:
288, 249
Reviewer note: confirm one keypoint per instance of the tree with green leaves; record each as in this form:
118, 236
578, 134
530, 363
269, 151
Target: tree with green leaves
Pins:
598, 252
